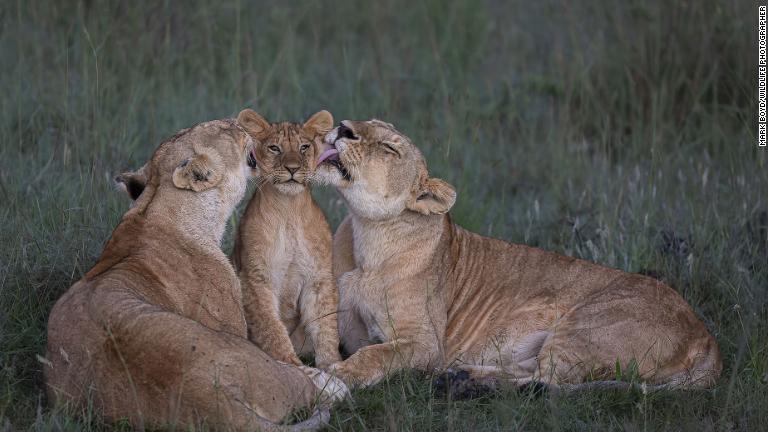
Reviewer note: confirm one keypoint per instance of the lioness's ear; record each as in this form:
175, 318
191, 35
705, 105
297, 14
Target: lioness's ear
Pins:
253, 123
435, 197
320, 123
198, 173
133, 182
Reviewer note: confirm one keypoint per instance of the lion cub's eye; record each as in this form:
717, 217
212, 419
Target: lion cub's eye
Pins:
304, 147
274, 149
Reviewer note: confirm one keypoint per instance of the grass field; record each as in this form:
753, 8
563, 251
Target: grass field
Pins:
619, 132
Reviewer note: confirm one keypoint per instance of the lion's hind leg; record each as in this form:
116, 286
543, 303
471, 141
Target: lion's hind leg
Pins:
202, 373
621, 336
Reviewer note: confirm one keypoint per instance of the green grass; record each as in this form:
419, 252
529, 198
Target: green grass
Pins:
619, 132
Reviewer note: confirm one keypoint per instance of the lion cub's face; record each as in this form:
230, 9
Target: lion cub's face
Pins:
380, 172
286, 152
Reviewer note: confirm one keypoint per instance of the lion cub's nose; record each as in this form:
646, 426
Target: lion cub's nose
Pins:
292, 166
292, 163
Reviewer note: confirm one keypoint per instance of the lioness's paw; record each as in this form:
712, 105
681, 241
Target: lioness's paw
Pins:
341, 371
331, 388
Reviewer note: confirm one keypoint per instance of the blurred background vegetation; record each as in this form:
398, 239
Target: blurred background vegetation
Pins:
619, 132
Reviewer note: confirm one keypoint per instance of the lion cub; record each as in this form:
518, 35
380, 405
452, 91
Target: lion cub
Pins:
283, 246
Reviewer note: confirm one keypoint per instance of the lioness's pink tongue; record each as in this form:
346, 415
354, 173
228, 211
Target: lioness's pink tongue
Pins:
327, 154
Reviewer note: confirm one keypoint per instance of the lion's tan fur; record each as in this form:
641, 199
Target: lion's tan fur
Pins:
155, 333
418, 291
283, 246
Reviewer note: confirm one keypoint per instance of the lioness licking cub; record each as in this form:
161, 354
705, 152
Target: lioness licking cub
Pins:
155, 332
418, 291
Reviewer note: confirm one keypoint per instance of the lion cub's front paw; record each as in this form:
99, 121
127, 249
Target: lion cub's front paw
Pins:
332, 389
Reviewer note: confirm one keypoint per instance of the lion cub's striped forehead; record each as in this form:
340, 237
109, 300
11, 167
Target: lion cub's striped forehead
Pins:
286, 134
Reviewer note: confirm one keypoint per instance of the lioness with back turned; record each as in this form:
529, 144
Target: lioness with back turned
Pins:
418, 291
154, 333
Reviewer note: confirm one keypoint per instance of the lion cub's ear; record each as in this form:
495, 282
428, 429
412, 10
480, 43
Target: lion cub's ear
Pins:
435, 197
133, 182
321, 122
253, 123
198, 173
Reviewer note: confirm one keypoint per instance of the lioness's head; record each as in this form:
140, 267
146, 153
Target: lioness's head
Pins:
286, 152
201, 171
380, 172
